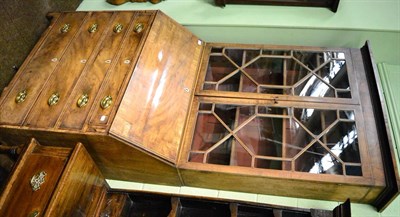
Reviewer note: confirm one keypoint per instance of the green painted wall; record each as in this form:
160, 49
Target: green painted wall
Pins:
355, 22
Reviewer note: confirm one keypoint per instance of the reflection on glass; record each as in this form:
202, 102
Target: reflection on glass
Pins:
318, 160
299, 73
283, 138
343, 142
315, 120
209, 131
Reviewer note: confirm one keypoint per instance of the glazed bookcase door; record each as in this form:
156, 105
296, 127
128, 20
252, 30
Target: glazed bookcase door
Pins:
279, 112
279, 136
286, 73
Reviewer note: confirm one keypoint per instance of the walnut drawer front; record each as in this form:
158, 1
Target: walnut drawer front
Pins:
37, 69
73, 63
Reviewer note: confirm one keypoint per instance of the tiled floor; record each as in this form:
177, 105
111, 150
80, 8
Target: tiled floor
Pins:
357, 210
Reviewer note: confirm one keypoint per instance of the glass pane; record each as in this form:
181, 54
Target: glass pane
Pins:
348, 115
208, 132
263, 136
343, 142
218, 68
266, 71
222, 153
236, 55
353, 170
311, 59
315, 120
227, 114
295, 138
276, 52
272, 110
205, 107
196, 157
280, 91
240, 157
268, 164
247, 85
251, 55
231, 83
314, 87
318, 160
208, 86
295, 72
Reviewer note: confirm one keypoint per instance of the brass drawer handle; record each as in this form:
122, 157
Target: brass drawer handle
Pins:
21, 96
65, 28
118, 28
106, 102
93, 28
83, 100
37, 180
139, 28
54, 98
34, 214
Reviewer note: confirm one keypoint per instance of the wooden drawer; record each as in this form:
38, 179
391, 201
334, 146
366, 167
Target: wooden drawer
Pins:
43, 179
122, 66
34, 180
74, 62
84, 94
35, 72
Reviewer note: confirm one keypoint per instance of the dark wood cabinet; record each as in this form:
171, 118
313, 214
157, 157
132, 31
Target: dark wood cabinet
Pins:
153, 103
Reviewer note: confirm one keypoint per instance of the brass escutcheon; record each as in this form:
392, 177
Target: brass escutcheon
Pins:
106, 102
65, 28
54, 98
139, 28
21, 96
34, 214
37, 180
93, 28
118, 28
83, 100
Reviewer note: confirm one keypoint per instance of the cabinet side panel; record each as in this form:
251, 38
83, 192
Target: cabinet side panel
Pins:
372, 142
153, 111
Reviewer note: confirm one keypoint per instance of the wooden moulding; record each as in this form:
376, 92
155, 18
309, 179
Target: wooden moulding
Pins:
331, 4
384, 134
119, 2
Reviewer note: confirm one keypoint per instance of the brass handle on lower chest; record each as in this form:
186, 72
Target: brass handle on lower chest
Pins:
21, 96
106, 102
54, 98
93, 28
65, 28
83, 100
118, 28
139, 28
37, 180
34, 214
